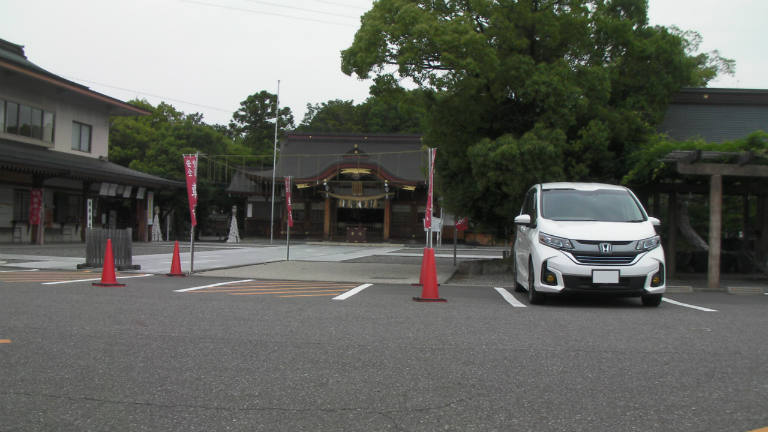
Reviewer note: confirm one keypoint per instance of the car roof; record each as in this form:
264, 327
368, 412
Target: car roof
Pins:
580, 186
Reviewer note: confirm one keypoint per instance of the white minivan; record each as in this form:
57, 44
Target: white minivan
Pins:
587, 238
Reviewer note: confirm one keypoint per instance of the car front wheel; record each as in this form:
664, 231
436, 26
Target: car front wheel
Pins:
534, 297
518, 286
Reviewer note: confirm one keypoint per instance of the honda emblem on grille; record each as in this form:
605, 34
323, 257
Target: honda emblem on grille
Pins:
605, 248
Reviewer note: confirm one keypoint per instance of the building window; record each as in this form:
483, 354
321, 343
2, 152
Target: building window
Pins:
81, 137
24, 120
47, 126
21, 205
68, 208
12, 118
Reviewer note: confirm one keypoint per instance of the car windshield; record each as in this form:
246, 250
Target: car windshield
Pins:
605, 205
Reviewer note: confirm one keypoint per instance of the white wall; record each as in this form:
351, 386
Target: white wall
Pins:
66, 111
66, 114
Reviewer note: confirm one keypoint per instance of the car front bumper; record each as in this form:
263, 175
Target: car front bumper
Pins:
634, 279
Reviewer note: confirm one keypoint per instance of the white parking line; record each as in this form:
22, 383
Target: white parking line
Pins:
14, 271
351, 292
93, 279
687, 305
212, 285
509, 297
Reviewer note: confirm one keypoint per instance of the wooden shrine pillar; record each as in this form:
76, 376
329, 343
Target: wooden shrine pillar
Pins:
387, 219
141, 219
327, 219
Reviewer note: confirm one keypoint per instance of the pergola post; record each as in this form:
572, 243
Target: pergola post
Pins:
696, 162
746, 225
715, 229
762, 225
671, 246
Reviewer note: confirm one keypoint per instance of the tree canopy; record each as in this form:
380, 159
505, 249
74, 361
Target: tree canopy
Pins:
648, 166
389, 109
253, 124
529, 90
155, 144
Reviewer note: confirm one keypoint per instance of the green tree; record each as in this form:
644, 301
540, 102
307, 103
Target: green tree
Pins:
581, 83
253, 124
393, 109
155, 144
389, 109
334, 116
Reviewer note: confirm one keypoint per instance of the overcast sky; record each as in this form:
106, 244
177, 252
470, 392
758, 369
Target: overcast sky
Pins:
208, 55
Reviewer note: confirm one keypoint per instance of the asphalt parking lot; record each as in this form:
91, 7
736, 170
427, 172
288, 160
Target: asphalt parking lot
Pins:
164, 354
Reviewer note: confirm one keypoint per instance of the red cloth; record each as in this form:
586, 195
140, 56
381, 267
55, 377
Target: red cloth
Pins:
190, 171
288, 201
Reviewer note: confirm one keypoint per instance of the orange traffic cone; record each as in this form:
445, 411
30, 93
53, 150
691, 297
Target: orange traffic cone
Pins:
423, 270
108, 278
429, 279
176, 262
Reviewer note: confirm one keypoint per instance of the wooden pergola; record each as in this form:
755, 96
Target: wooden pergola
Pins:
716, 165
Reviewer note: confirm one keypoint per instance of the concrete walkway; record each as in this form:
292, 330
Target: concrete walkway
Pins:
391, 273
365, 263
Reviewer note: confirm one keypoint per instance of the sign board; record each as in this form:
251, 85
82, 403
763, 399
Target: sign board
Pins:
428, 212
35, 206
89, 217
288, 201
150, 207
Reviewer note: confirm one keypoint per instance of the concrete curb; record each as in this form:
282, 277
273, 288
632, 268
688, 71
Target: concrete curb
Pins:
745, 290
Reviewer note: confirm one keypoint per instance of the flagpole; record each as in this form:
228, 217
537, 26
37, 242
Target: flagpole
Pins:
288, 219
274, 165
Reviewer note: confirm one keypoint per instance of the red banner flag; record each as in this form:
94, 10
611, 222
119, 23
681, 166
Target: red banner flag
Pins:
35, 205
428, 212
190, 171
462, 223
288, 201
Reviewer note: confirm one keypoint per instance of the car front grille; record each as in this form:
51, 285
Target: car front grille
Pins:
628, 285
604, 259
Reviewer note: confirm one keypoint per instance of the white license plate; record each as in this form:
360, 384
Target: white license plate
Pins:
605, 276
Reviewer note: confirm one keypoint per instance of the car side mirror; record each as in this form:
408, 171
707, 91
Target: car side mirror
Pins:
654, 221
523, 219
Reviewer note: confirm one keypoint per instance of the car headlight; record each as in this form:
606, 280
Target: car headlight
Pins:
649, 243
555, 242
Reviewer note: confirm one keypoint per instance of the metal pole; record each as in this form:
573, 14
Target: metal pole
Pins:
429, 184
274, 166
288, 243
191, 250
454, 242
